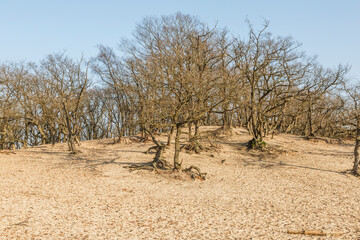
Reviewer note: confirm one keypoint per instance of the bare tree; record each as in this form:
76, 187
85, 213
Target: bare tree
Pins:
272, 68
177, 72
182, 59
170, 73
111, 70
352, 120
318, 82
69, 79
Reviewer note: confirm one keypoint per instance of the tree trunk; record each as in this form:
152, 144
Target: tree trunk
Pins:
53, 136
227, 120
170, 136
196, 134
71, 143
158, 155
252, 115
310, 122
177, 162
190, 130
26, 137
356, 150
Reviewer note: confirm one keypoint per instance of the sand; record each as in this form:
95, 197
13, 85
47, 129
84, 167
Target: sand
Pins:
47, 193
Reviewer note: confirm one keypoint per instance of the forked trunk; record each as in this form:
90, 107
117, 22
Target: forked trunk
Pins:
227, 121
71, 144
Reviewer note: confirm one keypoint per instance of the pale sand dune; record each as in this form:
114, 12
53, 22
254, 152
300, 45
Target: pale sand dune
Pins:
47, 193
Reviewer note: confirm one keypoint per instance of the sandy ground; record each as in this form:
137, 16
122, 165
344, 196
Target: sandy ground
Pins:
46, 193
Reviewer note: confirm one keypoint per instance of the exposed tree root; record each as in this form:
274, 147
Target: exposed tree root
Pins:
151, 148
256, 144
146, 166
197, 147
75, 152
161, 164
213, 146
193, 146
195, 173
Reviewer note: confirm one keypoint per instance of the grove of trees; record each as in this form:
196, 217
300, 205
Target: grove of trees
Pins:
175, 72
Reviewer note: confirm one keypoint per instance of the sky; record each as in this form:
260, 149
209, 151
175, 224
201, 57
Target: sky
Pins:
29, 30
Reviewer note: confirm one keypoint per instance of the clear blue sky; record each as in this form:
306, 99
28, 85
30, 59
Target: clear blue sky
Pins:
32, 29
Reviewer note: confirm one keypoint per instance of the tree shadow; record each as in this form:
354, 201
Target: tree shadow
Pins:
102, 163
262, 163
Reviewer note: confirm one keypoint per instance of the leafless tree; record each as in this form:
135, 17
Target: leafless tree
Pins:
170, 72
69, 79
176, 72
272, 68
352, 120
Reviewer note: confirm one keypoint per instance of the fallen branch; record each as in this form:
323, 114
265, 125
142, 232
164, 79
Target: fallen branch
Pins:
314, 233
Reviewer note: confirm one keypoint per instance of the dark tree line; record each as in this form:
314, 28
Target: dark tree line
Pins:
177, 72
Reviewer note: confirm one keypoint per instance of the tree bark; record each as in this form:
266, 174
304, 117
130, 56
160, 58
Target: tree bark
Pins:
170, 136
310, 122
26, 137
177, 162
356, 150
190, 130
71, 143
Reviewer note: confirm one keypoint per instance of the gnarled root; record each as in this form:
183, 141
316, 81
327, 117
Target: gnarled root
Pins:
161, 164
193, 146
158, 164
195, 172
146, 166
151, 148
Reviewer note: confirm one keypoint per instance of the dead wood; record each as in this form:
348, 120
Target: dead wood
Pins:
314, 233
